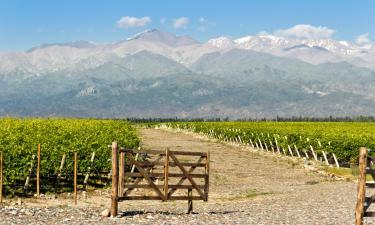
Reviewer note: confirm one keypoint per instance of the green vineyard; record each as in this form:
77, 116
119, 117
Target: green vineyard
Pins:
340, 138
19, 139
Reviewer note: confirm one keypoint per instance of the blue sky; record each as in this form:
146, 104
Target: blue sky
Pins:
27, 23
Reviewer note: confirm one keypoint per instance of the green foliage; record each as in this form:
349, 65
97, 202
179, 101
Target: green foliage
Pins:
19, 139
343, 138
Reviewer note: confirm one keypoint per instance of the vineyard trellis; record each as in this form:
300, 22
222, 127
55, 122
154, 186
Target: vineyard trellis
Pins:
335, 144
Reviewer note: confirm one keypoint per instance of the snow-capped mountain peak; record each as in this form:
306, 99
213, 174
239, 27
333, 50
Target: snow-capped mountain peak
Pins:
221, 42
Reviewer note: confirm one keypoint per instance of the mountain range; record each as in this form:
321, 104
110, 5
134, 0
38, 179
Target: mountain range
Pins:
159, 74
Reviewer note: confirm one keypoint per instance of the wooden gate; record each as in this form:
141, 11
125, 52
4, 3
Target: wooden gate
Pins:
158, 175
363, 203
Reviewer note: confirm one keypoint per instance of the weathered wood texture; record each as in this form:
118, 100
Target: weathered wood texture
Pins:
114, 194
166, 165
1, 177
38, 174
75, 177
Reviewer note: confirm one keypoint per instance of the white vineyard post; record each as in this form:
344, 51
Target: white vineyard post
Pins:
325, 158
307, 156
296, 149
260, 143
290, 151
283, 150
337, 162
251, 142
277, 145
272, 147
313, 152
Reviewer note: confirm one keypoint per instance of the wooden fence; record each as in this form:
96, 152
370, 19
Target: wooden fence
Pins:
363, 202
37, 178
183, 176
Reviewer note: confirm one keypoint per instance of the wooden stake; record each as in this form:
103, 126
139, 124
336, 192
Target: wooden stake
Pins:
271, 146
190, 201
61, 168
86, 180
304, 151
283, 150
295, 148
325, 158
359, 209
260, 143
26, 186
166, 173
114, 194
313, 152
207, 178
251, 142
337, 162
121, 177
38, 174
290, 151
136, 159
277, 146
1, 177
75, 177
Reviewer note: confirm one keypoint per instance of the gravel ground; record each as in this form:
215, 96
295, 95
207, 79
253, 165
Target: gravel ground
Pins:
246, 187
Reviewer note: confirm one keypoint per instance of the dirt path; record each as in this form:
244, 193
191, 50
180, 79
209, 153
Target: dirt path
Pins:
249, 188
246, 187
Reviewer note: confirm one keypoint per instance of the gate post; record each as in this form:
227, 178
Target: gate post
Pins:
114, 203
359, 209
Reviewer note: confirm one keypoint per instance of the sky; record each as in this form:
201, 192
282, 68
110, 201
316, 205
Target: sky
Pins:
28, 23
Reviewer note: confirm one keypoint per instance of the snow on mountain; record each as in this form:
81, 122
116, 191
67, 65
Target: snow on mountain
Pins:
221, 42
182, 49
166, 38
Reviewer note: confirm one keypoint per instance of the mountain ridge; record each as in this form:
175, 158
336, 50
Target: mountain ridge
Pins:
149, 77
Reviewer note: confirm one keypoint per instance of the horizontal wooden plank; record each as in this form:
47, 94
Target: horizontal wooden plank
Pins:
173, 198
369, 214
139, 198
370, 185
161, 175
147, 186
162, 152
171, 164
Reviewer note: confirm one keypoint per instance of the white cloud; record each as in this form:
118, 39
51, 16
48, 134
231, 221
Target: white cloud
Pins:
129, 22
305, 31
202, 20
362, 39
181, 22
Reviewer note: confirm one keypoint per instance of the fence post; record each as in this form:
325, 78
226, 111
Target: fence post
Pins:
313, 152
75, 177
28, 176
166, 173
207, 178
1, 177
359, 209
38, 174
121, 174
325, 158
337, 162
190, 201
296, 149
89, 169
114, 202
60, 169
